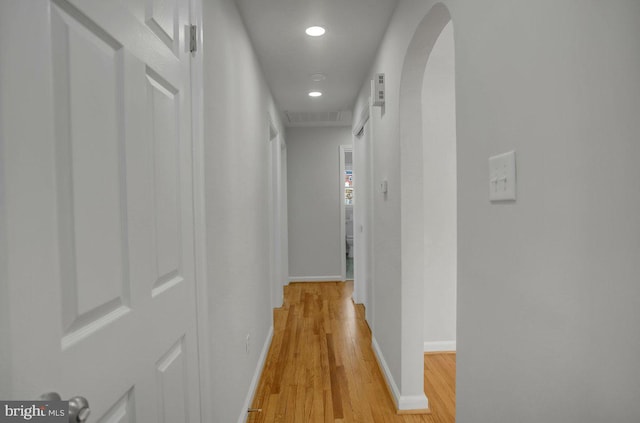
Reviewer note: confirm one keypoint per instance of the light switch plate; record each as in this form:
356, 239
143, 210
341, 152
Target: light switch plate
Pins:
383, 187
502, 177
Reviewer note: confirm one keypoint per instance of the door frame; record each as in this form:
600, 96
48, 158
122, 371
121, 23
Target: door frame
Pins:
203, 329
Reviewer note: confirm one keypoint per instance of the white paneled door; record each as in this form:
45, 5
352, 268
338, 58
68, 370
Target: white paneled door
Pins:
97, 235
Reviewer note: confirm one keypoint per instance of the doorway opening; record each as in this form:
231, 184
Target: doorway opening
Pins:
440, 219
427, 155
277, 212
440, 195
347, 194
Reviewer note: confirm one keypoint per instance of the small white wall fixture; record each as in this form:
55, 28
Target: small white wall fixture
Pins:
411, 395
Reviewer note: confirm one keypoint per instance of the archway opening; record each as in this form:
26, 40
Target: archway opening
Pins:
440, 195
416, 194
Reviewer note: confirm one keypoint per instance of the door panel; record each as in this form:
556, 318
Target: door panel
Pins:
162, 17
99, 217
163, 108
363, 209
88, 93
172, 387
122, 411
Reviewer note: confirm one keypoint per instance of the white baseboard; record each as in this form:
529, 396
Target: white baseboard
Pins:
403, 402
256, 378
437, 346
315, 278
385, 371
414, 402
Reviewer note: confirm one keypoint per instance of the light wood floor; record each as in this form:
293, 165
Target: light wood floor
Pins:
321, 367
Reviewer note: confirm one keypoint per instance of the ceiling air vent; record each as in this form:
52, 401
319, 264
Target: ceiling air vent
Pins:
318, 118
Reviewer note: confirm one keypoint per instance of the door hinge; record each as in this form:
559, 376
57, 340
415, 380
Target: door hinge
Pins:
193, 38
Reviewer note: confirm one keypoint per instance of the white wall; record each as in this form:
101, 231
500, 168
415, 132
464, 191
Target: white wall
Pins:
440, 211
313, 167
237, 181
548, 288
386, 319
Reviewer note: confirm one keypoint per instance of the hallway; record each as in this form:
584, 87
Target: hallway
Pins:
167, 167
321, 366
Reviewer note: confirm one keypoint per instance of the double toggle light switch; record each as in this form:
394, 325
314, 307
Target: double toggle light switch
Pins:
502, 177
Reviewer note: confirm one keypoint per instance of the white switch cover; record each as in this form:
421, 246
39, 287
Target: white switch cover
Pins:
502, 177
383, 187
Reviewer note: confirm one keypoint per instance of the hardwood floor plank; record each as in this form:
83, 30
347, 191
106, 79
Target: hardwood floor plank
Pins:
333, 377
321, 367
328, 407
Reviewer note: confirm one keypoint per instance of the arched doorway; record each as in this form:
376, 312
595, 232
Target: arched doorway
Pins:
412, 149
440, 195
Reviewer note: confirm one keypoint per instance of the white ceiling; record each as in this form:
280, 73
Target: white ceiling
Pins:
289, 57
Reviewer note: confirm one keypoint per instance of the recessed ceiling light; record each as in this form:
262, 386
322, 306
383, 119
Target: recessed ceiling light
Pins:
315, 94
315, 31
317, 77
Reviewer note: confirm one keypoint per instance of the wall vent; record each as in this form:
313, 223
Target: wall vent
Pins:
318, 118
